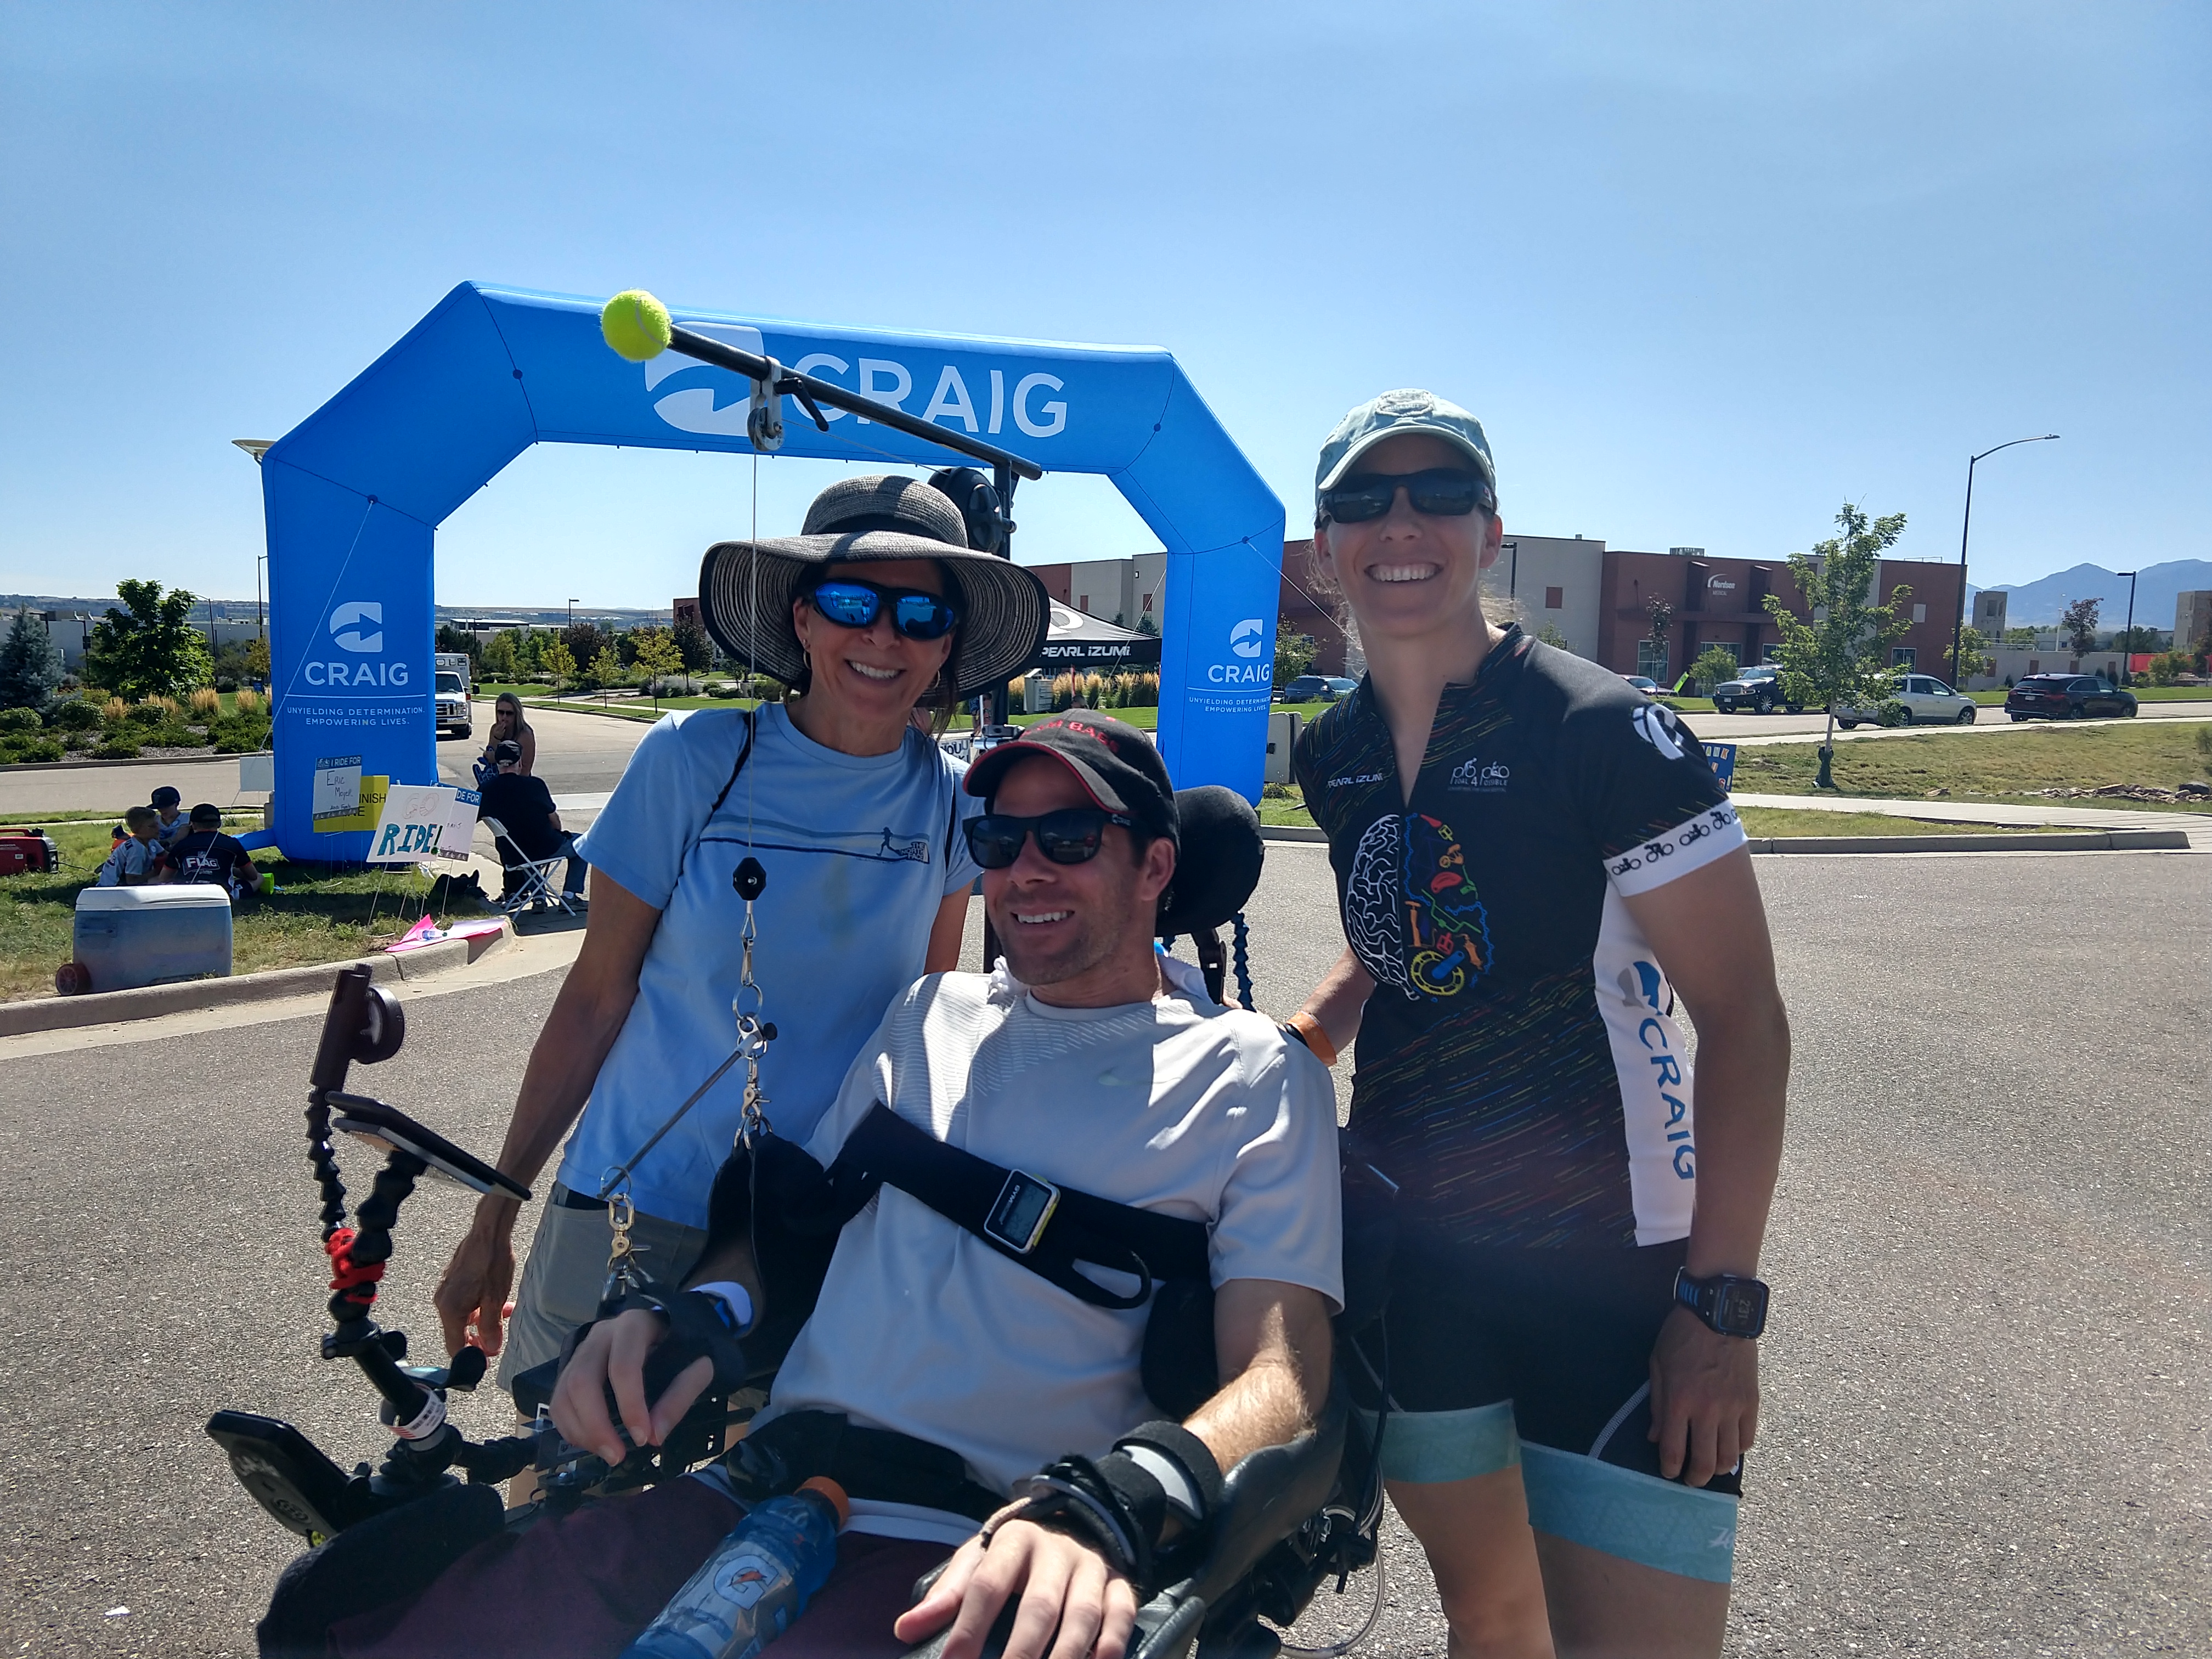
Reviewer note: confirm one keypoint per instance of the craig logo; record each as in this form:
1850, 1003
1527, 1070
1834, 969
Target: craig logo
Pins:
1657, 725
357, 626
982, 409
1484, 779
1247, 640
344, 626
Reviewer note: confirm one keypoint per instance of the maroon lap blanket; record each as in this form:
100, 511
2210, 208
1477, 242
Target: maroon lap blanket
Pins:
583, 1586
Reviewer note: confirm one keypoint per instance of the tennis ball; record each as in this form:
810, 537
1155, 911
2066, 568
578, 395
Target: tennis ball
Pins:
635, 324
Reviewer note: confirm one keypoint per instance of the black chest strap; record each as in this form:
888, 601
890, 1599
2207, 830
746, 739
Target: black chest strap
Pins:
966, 1189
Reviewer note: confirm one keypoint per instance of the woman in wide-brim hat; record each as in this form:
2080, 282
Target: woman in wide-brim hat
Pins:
877, 606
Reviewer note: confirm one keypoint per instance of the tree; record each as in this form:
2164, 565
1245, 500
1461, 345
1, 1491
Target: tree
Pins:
1712, 667
2140, 638
499, 662
2019, 636
1973, 653
1146, 625
150, 648
1660, 616
606, 668
457, 640
657, 655
557, 660
1294, 653
1549, 634
584, 640
1842, 656
695, 644
2079, 624
30, 663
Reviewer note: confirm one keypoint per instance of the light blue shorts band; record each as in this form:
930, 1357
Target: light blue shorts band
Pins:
1638, 1517
1426, 1446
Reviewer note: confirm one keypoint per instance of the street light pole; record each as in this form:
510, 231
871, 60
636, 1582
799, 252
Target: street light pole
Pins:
1958, 627
2128, 634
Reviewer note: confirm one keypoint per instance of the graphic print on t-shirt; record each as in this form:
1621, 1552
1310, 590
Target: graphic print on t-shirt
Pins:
1522, 1077
1411, 910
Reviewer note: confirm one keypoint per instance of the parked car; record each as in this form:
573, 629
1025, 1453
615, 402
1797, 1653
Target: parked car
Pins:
1759, 688
1315, 688
1650, 688
1926, 702
2067, 697
452, 703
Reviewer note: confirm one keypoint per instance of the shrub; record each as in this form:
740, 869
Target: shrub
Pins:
206, 703
19, 750
115, 711
149, 713
116, 749
224, 682
248, 702
20, 720
73, 715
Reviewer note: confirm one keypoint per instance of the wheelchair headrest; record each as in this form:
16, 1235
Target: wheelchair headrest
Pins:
1218, 865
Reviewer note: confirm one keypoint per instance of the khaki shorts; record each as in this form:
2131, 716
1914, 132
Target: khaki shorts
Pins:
567, 1268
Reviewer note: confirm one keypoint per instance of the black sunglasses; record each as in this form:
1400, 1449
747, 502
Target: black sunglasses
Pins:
917, 614
1072, 835
1442, 492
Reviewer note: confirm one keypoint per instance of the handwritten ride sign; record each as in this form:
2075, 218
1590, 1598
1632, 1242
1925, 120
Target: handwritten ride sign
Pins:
421, 821
1723, 756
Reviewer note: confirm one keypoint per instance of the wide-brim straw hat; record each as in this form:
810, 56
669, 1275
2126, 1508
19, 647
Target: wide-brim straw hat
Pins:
746, 588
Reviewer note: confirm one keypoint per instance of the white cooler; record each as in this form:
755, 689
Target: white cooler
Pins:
131, 936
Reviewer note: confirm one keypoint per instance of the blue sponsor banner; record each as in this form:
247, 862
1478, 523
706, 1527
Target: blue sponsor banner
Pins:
1723, 756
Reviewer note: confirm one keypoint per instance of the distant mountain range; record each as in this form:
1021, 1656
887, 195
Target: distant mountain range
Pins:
2039, 604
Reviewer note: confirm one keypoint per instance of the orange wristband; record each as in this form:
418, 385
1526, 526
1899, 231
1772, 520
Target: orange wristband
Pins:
1315, 1039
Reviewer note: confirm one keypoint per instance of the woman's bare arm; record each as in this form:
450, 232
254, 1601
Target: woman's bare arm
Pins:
588, 1016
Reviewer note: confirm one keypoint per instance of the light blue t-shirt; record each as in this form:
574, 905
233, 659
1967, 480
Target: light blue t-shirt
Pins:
861, 851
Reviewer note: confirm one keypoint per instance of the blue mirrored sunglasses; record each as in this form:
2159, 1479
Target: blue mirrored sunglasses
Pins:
856, 605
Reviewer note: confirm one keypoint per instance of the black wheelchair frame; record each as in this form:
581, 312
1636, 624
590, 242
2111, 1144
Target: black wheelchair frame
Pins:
1291, 1516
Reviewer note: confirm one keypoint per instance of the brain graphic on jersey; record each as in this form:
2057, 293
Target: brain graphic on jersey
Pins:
1374, 907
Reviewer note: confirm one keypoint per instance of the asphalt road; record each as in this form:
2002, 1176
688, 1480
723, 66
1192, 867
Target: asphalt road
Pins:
1985, 1430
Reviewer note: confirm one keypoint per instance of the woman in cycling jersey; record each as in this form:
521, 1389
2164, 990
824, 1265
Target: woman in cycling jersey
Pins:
1533, 862
878, 605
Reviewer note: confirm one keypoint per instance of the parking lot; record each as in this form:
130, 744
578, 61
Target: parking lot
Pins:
1986, 1412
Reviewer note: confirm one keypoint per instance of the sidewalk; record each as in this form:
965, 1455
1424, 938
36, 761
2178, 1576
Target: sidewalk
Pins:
2197, 825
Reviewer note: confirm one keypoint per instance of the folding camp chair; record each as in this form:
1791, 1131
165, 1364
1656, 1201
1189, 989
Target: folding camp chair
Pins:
532, 878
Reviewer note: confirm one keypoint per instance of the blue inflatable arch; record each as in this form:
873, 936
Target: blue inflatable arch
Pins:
355, 494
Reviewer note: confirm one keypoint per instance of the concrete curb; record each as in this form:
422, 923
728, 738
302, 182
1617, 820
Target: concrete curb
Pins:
103, 765
2086, 840
104, 1007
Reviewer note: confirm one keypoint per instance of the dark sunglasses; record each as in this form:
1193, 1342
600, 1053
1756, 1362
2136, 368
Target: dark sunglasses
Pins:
856, 605
1072, 835
1442, 492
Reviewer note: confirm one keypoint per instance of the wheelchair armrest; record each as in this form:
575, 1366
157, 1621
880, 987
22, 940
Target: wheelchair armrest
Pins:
1269, 1495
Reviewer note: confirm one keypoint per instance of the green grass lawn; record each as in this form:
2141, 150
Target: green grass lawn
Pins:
2010, 766
315, 915
1784, 821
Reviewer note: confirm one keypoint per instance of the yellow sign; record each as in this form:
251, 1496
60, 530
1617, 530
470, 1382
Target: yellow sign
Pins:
374, 786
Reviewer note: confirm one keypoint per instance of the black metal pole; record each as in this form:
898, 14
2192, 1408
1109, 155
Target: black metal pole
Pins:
2128, 634
806, 387
1958, 627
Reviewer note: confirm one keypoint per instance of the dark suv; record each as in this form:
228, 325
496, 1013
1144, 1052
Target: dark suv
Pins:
1759, 688
2067, 697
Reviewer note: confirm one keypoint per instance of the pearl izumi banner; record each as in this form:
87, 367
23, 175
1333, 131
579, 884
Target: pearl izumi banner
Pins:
355, 494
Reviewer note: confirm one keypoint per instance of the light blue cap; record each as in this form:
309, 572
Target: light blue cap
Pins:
1394, 413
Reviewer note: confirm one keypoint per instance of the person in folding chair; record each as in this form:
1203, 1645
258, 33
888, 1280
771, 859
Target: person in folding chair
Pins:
958, 1367
878, 605
528, 832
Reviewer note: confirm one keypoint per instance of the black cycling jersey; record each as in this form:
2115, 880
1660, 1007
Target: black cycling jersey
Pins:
1519, 1072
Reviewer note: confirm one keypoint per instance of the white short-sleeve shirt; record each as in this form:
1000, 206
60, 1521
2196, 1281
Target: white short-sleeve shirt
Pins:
1174, 1104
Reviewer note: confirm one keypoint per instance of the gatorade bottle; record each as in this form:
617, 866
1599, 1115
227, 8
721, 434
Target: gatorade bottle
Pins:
759, 1578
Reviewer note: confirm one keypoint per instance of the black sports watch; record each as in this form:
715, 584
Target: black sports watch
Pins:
1732, 1305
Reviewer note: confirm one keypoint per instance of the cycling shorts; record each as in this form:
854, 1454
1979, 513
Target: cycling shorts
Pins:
1498, 1357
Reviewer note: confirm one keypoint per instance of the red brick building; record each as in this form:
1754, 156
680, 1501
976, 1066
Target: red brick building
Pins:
1722, 602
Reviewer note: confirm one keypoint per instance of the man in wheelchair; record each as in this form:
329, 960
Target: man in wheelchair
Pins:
1087, 1103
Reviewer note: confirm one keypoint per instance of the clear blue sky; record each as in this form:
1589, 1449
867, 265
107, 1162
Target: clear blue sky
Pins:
1705, 271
